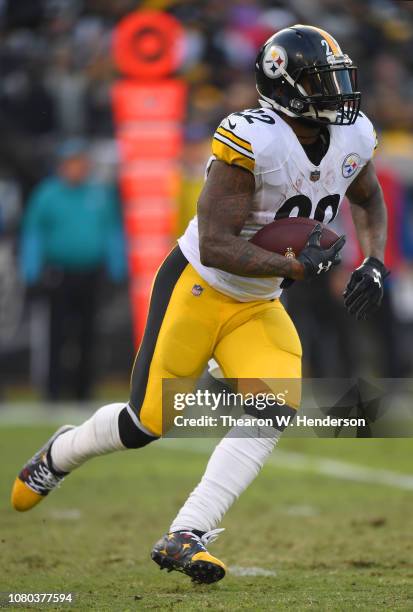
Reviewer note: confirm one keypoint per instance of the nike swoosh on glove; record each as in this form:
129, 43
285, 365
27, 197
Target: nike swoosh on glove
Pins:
315, 259
364, 292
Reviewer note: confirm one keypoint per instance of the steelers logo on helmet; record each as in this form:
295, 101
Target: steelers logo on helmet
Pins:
350, 165
274, 61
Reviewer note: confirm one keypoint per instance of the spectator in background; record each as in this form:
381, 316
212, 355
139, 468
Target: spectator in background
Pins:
71, 231
11, 293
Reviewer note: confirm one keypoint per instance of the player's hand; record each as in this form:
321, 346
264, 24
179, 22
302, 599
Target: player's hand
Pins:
315, 259
364, 292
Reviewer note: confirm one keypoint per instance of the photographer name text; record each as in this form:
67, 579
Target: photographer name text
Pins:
277, 420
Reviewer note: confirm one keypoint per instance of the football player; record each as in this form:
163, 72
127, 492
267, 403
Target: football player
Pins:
217, 295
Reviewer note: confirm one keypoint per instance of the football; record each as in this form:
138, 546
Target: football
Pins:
289, 236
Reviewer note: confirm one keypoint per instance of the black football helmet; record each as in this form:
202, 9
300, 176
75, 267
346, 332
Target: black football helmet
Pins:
302, 72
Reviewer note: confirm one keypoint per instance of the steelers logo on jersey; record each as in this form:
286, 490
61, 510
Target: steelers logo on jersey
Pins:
274, 61
350, 165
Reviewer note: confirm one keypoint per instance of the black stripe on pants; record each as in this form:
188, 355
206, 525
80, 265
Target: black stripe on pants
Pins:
165, 281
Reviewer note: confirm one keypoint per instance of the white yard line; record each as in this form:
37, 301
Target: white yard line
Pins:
300, 462
65, 514
238, 570
28, 414
341, 469
310, 464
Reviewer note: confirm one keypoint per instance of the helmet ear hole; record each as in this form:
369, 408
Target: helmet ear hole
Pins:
296, 105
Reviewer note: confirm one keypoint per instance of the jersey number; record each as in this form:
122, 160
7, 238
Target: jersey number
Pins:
304, 206
255, 114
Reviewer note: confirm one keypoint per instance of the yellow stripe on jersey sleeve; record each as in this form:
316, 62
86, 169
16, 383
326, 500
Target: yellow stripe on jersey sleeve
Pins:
231, 152
235, 139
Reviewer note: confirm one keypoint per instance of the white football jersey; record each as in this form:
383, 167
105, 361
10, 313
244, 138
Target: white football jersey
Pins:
287, 184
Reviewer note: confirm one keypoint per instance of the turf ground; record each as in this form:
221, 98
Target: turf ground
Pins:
327, 535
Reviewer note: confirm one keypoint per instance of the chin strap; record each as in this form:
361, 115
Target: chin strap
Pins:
268, 103
329, 115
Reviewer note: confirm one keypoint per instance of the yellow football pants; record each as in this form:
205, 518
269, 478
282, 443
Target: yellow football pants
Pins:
189, 322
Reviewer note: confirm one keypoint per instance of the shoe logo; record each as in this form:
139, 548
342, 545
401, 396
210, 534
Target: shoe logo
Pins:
231, 125
197, 290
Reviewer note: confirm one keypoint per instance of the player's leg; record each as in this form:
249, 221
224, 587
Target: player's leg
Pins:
265, 347
178, 341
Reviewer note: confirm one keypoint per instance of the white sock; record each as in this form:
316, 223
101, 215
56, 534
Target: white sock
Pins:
98, 435
233, 465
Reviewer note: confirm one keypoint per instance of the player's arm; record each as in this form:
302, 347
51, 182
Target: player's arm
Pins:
369, 212
223, 208
364, 291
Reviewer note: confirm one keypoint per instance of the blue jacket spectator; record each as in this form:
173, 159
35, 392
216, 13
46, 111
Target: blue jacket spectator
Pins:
71, 231
72, 223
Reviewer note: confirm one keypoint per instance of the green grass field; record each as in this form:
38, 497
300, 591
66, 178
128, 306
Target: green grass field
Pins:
331, 542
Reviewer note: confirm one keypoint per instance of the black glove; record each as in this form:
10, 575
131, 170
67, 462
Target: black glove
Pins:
364, 292
317, 260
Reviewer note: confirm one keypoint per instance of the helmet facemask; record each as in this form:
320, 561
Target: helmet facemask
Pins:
328, 94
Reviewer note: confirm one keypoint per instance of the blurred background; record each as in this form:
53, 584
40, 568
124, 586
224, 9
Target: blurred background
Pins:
66, 328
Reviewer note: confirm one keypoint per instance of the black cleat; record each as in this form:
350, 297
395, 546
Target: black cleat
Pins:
184, 551
37, 478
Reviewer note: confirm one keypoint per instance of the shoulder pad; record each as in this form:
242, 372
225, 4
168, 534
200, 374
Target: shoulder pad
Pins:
365, 136
250, 139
